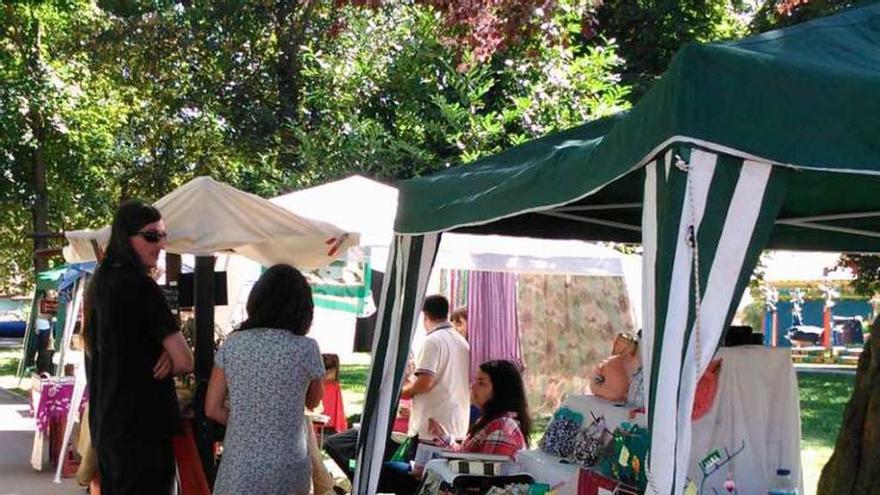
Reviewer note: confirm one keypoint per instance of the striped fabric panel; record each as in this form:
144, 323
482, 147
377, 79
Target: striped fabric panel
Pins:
493, 329
406, 278
483, 468
729, 205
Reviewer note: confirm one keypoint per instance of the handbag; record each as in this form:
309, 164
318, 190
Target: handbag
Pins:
590, 443
563, 428
402, 454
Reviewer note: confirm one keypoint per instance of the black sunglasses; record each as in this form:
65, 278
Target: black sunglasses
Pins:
152, 236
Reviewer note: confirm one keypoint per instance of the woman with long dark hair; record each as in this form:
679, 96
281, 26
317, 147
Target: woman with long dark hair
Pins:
504, 426
133, 348
268, 370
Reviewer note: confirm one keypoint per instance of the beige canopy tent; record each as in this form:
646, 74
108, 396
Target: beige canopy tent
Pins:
204, 217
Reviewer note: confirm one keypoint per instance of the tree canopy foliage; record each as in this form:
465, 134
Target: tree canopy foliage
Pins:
104, 100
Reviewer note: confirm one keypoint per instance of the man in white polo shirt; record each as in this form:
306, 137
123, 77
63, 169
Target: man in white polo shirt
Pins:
441, 389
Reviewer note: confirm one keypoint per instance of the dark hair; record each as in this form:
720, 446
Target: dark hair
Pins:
281, 298
130, 218
459, 314
508, 395
436, 307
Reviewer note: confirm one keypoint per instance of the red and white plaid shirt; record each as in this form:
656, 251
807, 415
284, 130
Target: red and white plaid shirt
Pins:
500, 436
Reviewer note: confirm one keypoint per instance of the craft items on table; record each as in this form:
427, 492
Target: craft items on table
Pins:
51, 399
590, 443
446, 477
512, 489
612, 378
593, 483
52, 402
625, 461
560, 436
564, 475
713, 462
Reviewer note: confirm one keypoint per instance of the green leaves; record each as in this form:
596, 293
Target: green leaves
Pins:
137, 97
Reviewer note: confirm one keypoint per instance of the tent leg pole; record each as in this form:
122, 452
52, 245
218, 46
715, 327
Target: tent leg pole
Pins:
204, 360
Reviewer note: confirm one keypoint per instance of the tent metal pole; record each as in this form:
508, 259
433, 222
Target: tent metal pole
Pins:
203, 298
597, 221
818, 226
616, 206
839, 216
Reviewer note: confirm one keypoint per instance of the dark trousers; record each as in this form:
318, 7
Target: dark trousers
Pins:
342, 448
395, 476
136, 466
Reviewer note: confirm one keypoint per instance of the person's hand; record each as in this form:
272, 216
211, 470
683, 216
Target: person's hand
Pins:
163, 366
437, 430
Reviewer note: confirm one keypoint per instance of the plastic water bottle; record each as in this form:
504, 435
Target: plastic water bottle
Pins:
783, 485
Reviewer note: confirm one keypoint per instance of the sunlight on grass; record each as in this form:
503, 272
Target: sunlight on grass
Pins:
353, 380
9, 359
823, 399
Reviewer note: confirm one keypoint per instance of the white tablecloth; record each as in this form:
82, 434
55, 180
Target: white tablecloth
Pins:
757, 408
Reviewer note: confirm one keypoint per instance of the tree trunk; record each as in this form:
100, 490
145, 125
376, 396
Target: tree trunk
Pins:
40, 207
287, 80
854, 467
292, 19
30, 47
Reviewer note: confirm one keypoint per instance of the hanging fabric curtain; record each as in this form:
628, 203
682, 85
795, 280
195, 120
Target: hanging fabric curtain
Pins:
493, 330
406, 279
706, 218
459, 282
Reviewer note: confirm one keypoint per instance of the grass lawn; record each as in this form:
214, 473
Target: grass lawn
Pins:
353, 379
823, 399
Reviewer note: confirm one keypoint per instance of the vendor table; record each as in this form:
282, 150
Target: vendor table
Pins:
50, 404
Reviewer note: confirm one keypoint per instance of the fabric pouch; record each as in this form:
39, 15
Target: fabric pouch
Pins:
624, 460
561, 432
590, 443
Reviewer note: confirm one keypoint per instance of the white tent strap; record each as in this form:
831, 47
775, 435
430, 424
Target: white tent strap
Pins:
597, 221
829, 228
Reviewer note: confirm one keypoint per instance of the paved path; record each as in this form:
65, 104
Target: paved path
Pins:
16, 440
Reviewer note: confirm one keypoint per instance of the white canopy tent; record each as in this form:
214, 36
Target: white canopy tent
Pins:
368, 207
204, 217
358, 204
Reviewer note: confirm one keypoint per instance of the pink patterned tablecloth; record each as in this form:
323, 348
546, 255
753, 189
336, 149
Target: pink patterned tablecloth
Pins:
53, 400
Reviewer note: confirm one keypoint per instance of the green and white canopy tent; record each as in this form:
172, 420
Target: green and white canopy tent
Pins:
768, 142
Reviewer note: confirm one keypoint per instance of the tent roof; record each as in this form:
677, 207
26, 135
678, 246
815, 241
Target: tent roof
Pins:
806, 97
63, 276
355, 204
361, 205
204, 217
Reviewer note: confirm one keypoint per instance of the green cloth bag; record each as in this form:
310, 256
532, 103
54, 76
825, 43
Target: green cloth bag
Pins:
402, 452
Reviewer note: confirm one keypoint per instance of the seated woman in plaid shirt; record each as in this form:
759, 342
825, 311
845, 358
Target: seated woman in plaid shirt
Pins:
504, 426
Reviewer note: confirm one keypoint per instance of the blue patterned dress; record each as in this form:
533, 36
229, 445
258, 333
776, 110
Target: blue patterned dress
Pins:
267, 372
